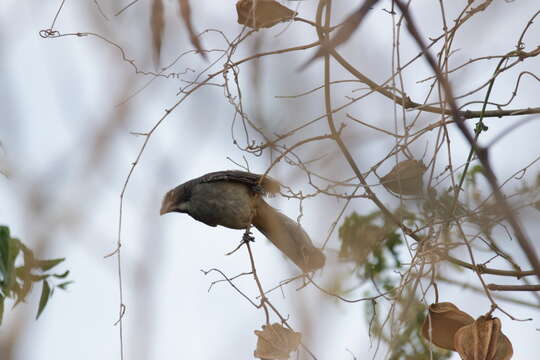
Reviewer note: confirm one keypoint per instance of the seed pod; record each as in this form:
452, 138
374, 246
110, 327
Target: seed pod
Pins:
444, 319
262, 13
276, 342
405, 178
483, 340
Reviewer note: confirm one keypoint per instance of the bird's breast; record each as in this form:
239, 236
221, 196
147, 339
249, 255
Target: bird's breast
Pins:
222, 203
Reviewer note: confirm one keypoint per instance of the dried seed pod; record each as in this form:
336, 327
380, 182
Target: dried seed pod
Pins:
405, 178
444, 320
483, 340
262, 13
276, 342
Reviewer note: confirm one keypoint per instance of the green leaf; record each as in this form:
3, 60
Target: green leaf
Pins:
9, 249
21, 271
4, 249
14, 249
48, 264
28, 255
64, 285
36, 278
24, 273
62, 275
22, 291
16, 282
15, 290
1, 308
45, 295
4, 232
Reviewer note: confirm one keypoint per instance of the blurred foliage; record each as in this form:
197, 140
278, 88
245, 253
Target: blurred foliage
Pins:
473, 173
373, 244
444, 207
20, 270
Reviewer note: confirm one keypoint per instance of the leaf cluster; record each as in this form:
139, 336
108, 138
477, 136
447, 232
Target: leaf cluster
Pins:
20, 270
370, 245
374, 244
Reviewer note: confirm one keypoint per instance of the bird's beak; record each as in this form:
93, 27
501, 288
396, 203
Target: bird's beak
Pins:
165, 208
169, 205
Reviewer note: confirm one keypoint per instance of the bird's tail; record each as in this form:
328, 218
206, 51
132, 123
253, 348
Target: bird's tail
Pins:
288, 236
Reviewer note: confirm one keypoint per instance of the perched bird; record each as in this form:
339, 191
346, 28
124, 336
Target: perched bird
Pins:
234, 199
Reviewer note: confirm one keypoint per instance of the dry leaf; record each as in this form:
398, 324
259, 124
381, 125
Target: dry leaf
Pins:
262, 13
157, 23
276, 342
405, 178
483, 340
345, 31
445, 319
185, 13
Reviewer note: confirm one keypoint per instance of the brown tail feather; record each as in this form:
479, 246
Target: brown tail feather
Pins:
288, 236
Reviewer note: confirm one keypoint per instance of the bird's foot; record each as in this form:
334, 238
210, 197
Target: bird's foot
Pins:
247, 237
258, 189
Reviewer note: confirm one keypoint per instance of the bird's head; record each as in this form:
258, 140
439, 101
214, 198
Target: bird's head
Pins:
176, 200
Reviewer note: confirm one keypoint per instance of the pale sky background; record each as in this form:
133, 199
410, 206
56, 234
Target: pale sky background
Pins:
66, 142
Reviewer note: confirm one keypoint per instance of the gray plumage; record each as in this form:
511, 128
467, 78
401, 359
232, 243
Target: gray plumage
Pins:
234, 199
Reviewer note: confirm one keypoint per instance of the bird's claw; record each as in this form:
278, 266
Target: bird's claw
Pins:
258, 189
247, 237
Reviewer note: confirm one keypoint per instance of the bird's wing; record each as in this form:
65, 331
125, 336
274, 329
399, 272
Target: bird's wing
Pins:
268, 185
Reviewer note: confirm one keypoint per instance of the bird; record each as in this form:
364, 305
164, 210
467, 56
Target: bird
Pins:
234, 199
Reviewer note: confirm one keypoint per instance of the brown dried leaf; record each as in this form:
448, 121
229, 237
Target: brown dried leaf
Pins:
262, 13
185, 13
157, 24
405, 178
347, 28
483, 340
351, 24
445, 320
276, 342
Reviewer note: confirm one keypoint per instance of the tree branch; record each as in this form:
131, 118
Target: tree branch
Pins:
481, 152
513, 287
